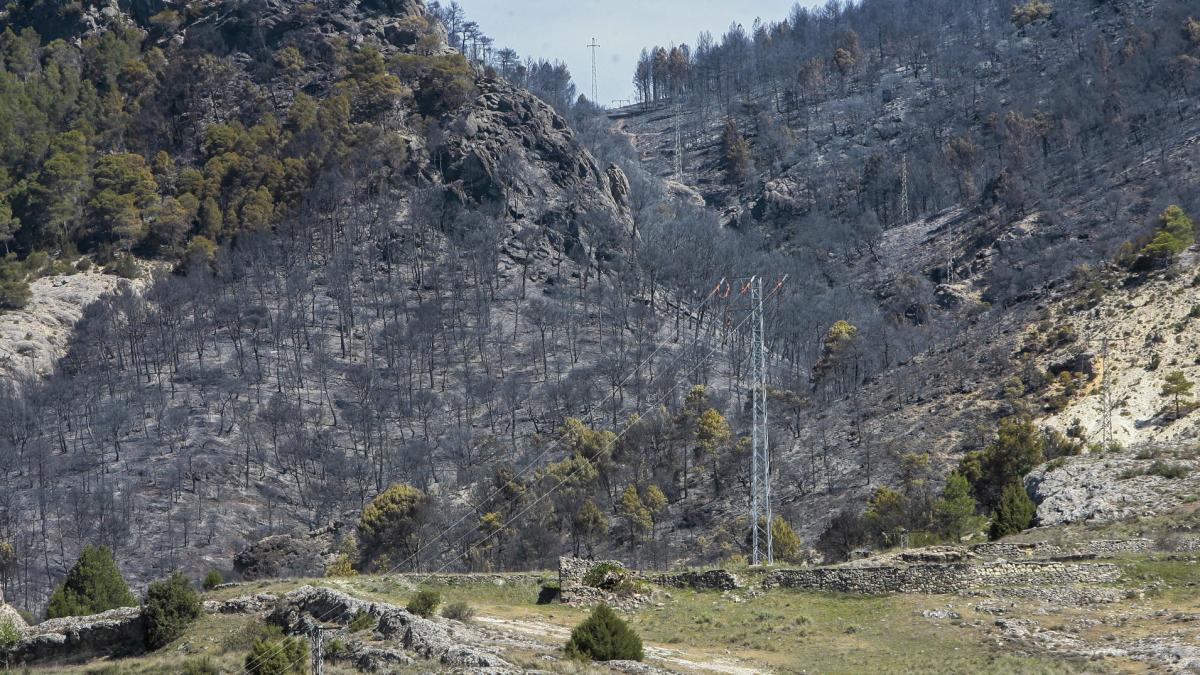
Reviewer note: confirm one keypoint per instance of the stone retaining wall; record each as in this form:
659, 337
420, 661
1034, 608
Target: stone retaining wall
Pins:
492, 578
707, 580
1097, 548
940, 578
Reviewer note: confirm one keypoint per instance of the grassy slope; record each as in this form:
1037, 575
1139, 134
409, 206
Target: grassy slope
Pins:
781, 631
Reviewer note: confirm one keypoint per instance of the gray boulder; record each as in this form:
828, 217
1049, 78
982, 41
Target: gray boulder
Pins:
288, 555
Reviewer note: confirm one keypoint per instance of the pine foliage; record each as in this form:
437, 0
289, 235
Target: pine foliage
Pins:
93, 585
603, 636
171, 606
1015, 512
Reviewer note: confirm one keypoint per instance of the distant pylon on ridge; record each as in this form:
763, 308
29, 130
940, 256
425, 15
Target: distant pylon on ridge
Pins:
593, 45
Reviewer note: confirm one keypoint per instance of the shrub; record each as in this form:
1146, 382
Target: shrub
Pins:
212, 580
786, 544
14, 289
442, 82
847, 531
1165, 470
199, 666
458, 611
93, 585
601, 574
279, 656
424, 603
1031, 12
9, 634
1015, 512
342, 566
603, 636
171, 606
125, 267
335, 648
361, 621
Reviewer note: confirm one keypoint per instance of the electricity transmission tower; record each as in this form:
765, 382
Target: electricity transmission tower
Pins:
1106, 392
760, 454
593, 45
905, 216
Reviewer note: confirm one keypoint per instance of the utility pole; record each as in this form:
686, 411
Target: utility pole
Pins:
593, 45
316, 639
678, 145
760, 455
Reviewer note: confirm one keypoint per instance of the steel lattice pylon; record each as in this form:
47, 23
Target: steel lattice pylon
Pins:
592, 46
760, 455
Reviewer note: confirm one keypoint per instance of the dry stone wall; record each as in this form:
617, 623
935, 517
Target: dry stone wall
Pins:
941, 578
1096, 548
707, 580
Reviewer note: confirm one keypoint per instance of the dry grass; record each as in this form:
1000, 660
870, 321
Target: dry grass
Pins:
782, 631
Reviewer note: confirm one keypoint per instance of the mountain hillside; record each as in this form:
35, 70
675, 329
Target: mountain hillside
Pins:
375, 327
975, 189
389, 310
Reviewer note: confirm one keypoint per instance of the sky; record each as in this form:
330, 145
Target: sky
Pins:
561, 29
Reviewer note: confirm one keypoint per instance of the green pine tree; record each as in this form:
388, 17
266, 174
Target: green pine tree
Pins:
954, 509
603, 636
93, 585
1177, 387
171, 606
1015, 512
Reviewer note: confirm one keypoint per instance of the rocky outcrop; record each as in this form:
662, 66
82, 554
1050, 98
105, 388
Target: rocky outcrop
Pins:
288, 555
243, 604
11, 616
1106, 488
117, 632
34, 338
511, 148
448, 644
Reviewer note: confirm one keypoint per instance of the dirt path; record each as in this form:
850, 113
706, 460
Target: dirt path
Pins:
553, 635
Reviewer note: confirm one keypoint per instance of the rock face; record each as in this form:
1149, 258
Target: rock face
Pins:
513, 148
32, 339
117, 632
1105, 488
288, 555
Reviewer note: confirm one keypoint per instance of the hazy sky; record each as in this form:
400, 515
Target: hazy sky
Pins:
561, 29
